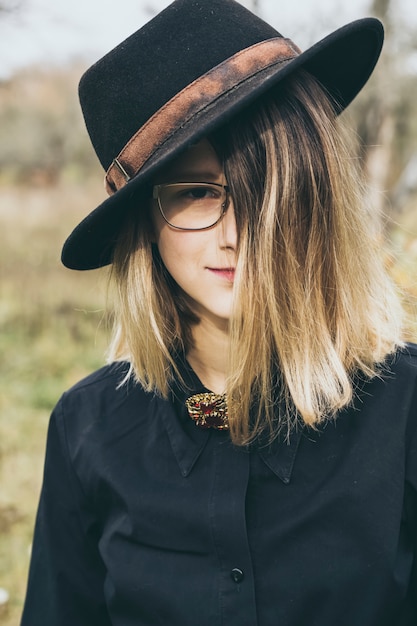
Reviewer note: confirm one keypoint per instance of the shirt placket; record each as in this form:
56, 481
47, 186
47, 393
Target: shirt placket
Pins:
237, 603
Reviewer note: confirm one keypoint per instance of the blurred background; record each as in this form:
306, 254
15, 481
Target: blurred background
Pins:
53, 329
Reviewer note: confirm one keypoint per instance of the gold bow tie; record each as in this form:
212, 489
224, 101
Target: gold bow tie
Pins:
208, 410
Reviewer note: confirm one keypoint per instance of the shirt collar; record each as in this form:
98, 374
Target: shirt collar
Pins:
280, 455
188, 440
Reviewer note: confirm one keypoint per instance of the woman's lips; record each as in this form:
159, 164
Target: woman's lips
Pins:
227, 273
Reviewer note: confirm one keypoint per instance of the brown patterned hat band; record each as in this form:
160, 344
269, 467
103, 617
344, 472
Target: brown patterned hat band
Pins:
191, 100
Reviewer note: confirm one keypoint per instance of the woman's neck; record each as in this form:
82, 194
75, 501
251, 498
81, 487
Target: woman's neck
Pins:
209, 355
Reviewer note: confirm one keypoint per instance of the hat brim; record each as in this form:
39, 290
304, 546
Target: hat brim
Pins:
342, 62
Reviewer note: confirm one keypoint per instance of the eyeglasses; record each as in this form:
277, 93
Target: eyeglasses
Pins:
192, 206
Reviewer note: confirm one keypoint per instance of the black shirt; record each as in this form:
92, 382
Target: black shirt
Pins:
145, 519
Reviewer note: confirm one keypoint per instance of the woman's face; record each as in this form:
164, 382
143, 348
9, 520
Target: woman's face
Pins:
201, 262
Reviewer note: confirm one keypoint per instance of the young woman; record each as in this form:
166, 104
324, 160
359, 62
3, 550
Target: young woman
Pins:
249, 455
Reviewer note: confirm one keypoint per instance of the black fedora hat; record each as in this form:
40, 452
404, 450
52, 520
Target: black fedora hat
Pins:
185, 72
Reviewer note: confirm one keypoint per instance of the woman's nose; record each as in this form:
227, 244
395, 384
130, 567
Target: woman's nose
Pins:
227, 228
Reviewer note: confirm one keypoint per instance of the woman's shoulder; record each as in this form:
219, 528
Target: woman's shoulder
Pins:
109, 377
409, 349
98, 398
395, 389
388, 400
103, 417
397, 377
404, 361
102, 409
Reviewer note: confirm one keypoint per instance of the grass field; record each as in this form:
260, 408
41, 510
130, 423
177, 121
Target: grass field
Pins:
52, 333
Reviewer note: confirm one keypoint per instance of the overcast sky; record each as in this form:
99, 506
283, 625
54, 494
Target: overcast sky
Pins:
56, 31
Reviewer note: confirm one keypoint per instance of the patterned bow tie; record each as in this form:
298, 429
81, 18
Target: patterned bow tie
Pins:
208, 410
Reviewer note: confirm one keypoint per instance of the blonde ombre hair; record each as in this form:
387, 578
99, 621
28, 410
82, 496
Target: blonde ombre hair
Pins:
314, 306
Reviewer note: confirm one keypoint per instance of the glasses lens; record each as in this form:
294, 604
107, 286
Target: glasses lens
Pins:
192, 205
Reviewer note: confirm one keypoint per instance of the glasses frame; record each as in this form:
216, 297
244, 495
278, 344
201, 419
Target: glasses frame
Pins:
224, 206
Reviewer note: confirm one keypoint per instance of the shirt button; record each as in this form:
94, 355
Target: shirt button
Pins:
237, 575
